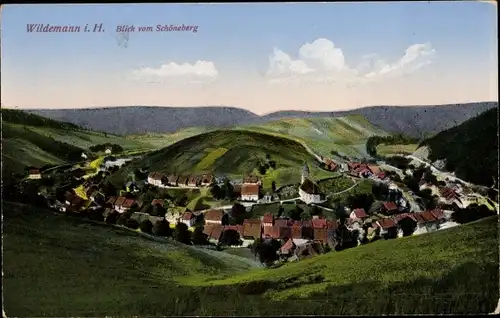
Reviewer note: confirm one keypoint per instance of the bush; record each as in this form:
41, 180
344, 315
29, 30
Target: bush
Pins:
132, 224
162, 228
146, 226
122, 220
182, 234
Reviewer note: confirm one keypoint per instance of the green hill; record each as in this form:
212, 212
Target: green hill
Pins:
31, 140
230, 152
346, 135
470, 149
60, 266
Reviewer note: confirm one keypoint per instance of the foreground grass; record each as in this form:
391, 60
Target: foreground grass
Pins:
59, 266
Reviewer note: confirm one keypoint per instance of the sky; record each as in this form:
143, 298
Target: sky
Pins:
262, 57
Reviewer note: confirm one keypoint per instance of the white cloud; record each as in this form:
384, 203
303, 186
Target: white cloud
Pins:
197, 72
322, 62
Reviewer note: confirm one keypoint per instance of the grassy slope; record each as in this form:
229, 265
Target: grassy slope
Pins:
471, 148
345, 135
58, 266
387, 150
29, 139
230, 152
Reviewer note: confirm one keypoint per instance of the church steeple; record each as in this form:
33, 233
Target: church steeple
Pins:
305, 172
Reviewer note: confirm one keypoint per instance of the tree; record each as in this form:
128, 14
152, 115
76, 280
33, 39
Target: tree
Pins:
296, 213
280, 211
238, 212
315, 210
231, 238
112, 217
158, 210
216, 192
267, 250
146, 226
273, 186
228, 187
182, 234
199, 238
407, 226
262, 169
132, 224
122, 220
162, 228
305, 215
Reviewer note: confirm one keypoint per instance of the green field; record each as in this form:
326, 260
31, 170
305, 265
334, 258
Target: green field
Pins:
387, 150
230, 152
61, 266
345, 135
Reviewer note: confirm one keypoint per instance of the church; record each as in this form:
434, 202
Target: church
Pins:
309, 190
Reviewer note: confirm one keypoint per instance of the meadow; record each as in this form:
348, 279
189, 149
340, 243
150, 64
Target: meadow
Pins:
56, 265
388, 150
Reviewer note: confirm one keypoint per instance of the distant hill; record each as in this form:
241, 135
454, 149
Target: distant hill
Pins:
416, 121
144, 119
32, 140
470, 149
345, 135
228, 152
51, 260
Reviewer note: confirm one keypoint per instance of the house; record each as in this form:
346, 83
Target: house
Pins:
34, 174
288, 248
374, 169
252, 180
216, 217
307, 229
155, 178
237, 191
277, 232
213, 232
207, 180
330, 164
389, 208
250, 192
193, 181
386, 225
449, 196
84, 156
267, 220
172, 180
123, 204
296, 230
320, 229
439, 215
159, 202
358, 214
107, 151
252, 229
426, 221
182, 181
188, 218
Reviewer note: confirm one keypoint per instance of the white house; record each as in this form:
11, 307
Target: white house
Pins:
34, 174
155, 178
309, 191
108, 151
84, 156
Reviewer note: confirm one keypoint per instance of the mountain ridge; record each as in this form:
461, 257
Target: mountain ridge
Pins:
417, 121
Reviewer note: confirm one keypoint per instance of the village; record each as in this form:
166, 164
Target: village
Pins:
290, 236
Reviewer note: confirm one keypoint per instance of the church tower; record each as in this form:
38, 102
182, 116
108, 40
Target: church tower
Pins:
305, 172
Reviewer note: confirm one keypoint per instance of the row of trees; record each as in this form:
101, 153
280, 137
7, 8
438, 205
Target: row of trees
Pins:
102, 147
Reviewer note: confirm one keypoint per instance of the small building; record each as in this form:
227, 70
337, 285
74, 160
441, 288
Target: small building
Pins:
84, 156
330, 164
216, 217
155, 178
172, 180
307, 230
182, 181
207, 180
374, 169
386, 226
288, 248
250, 192
123, 204
320, 229
188, 218
267, 220
193, 181
34, 174
252, 229
213, 232
389, 208
108, 151
358, 214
